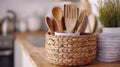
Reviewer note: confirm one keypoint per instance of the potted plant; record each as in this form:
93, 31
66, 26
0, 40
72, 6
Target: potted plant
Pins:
109, 39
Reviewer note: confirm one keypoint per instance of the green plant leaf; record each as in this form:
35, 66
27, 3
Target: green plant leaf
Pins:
109, 13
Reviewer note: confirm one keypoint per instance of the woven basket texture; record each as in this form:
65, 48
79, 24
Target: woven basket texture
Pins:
68, 50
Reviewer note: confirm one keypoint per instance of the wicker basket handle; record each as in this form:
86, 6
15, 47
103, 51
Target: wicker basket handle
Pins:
99, 30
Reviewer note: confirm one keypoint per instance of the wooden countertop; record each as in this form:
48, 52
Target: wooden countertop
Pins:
37, 54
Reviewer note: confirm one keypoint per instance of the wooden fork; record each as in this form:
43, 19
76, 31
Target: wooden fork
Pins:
70, 14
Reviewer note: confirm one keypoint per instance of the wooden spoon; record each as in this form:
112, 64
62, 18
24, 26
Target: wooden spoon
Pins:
49, 25
57, 14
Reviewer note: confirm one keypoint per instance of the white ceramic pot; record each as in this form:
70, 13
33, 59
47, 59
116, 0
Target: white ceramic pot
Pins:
109, 43
34, 23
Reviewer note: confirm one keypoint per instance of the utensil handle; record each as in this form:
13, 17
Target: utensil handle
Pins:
60, 27
99, 30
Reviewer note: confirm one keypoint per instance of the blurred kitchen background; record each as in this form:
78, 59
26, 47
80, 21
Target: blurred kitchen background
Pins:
24, 16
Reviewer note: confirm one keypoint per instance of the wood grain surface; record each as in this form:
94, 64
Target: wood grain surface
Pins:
38, 58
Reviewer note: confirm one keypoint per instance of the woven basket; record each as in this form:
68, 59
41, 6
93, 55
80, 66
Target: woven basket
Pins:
68, 50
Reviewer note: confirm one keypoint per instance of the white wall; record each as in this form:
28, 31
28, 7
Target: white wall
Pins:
24, 8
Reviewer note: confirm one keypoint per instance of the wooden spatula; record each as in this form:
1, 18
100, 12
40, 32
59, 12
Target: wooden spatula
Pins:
85, 5
80, 14
91, 24
49, 25
83, 22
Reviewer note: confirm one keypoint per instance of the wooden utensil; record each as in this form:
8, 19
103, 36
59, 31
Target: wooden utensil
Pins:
83, 22
54, 25
57, 14
92, 21
84, 5
92, 24
79, 20
70, 13
49, 25
98, 31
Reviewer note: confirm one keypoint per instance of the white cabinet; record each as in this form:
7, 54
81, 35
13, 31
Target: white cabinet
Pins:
20, 58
